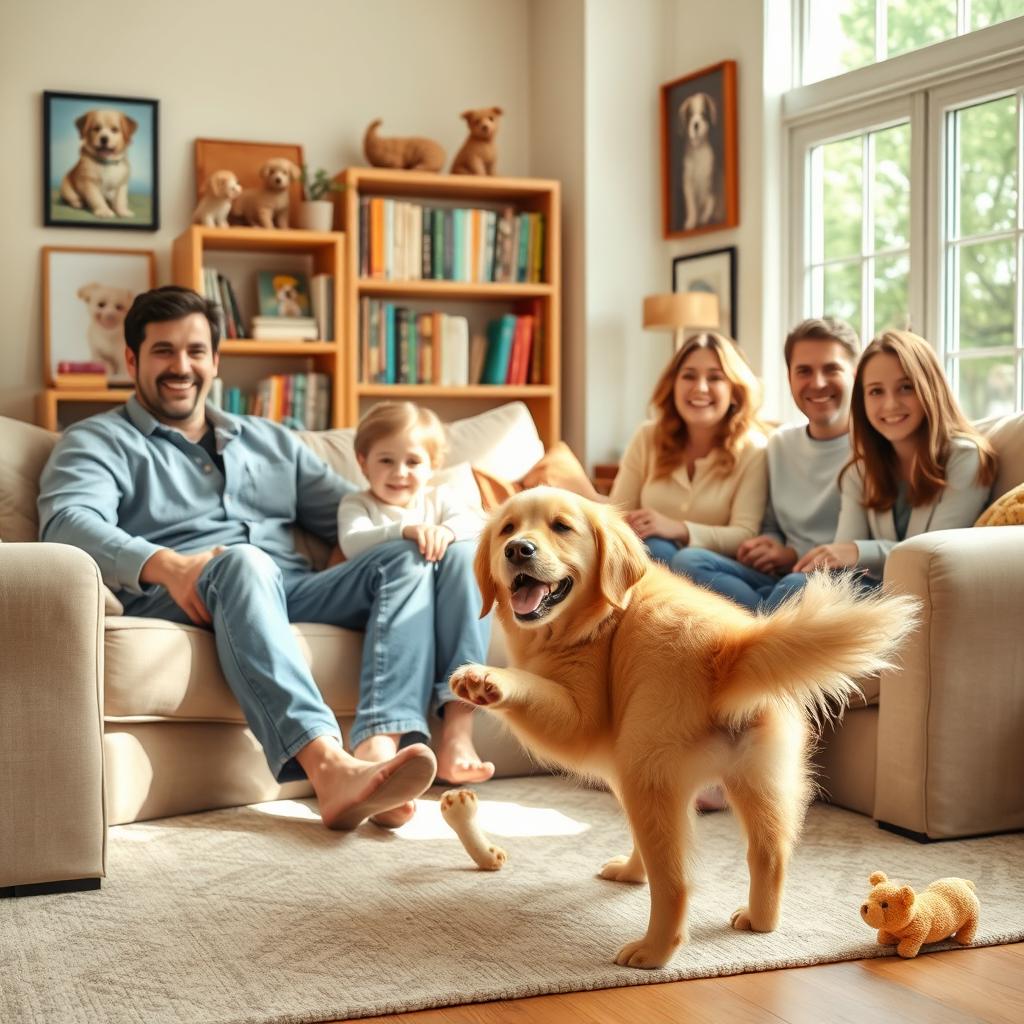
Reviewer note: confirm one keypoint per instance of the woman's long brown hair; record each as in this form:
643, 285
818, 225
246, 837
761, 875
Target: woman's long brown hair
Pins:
670, 433
943, 421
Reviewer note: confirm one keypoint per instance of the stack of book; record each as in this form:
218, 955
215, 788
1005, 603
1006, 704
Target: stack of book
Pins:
284, 328
409, 242
402, 346
80, 375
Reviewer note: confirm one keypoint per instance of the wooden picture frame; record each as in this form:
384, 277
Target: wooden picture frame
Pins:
101, 161
246, 159
711, 271
699, 152
86, 292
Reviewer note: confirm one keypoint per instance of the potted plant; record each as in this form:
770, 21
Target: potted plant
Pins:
316, 211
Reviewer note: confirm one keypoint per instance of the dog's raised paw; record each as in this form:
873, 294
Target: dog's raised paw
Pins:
475, 685
622, 869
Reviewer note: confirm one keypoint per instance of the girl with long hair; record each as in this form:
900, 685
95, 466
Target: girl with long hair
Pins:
917, 464
695, 474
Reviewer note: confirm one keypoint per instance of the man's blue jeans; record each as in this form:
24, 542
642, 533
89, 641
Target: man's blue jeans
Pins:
421, 622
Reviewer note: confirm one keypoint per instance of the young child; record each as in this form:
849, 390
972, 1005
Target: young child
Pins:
398, 446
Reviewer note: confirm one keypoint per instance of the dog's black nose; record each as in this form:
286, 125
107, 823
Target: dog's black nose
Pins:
519, 551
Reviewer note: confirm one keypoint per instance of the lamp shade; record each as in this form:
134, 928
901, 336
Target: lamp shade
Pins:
679, 310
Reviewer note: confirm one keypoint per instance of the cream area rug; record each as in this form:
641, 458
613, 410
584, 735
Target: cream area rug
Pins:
259, 914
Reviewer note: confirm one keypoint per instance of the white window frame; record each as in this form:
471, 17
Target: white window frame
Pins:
917, 87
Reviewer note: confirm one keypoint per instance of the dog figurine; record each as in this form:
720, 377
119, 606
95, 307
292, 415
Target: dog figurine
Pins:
99, 181
478, 155
698, 114
108, 306
410, 154
267, 206
218, 193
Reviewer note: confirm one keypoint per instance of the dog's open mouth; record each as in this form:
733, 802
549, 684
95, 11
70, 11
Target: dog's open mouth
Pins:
533, 599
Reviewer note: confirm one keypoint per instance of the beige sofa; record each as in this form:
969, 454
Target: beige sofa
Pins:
107, 719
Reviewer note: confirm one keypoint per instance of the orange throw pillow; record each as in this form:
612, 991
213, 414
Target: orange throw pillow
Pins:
559, 467
493, 490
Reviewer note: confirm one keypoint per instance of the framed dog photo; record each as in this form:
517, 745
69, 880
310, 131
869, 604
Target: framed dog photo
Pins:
86, 294
713, 271
100, 161
699, 165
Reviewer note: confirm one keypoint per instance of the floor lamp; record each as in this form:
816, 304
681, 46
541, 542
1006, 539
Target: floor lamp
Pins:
679, 311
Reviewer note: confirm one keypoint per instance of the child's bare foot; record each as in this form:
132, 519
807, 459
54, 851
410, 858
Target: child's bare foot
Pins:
457, 759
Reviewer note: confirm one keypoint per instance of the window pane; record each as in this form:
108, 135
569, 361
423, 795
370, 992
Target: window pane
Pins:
986, 168
991, 12
916, 23
891, 195
841, 36
987, 386
842, 200
987, 294
892, 292
842, 293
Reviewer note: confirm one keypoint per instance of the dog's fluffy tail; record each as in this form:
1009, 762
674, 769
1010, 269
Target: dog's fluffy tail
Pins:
811, 649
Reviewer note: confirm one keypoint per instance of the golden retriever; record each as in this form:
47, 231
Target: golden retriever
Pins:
628, 673
100, 178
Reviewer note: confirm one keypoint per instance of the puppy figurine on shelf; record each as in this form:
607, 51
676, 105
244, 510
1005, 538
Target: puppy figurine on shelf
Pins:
478, 155
410, 153
218, 193
267, 205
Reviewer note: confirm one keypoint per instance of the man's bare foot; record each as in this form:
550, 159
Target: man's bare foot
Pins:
383, 747
457, 759
350, 790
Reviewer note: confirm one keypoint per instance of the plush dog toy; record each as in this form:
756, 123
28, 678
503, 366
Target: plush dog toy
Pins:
219, 191
267, 206
478, 155
409, 154
948, 908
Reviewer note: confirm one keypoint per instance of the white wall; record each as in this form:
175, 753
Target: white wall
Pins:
237, 69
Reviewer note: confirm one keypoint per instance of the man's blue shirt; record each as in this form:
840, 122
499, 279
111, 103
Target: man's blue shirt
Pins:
122, 485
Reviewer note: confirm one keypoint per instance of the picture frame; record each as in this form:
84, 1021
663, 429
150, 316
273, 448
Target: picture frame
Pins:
699, 152
101, 161
713, 270
246, 159
86, 294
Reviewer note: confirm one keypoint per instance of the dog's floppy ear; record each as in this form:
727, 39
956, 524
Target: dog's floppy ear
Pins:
86, 291
712, 108
293, 170
497, 111
81, 122
482, 568
128, 127
267, 170
621, 558
469, 115
684, 109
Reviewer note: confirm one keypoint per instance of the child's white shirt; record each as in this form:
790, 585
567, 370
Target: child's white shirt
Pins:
365, 521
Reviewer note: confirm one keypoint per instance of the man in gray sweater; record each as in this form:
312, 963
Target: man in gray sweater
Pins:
804, 461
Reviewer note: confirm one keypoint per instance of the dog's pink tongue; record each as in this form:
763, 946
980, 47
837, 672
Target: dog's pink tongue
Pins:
528, 598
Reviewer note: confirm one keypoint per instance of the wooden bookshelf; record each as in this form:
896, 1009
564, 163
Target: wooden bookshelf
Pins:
525, 194
326, 250
49, 400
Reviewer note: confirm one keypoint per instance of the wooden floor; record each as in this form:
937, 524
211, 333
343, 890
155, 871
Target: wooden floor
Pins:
935, 988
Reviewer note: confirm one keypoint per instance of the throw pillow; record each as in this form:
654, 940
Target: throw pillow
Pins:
1005, 511
558, 467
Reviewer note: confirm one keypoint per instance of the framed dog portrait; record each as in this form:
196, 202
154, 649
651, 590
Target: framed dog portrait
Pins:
713, 271
269, 173
100, 161
86, 294
699, 163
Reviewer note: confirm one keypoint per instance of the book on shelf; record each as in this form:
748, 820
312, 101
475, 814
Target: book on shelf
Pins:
297, 400
284, 328
70, 380
500, 335
406, 241
322, 302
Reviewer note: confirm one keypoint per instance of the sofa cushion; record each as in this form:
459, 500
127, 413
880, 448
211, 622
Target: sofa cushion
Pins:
161, 669
24, 449
1007, 436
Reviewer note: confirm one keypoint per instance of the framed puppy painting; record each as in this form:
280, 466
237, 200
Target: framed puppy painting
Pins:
711, 271
100, 162
86, 294
699, 161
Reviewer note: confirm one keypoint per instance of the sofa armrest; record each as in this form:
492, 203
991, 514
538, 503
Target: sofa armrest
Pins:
52, 815
950, 756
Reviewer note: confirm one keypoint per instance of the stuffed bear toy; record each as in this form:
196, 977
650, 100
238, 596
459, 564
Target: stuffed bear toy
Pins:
478, 155
948, 908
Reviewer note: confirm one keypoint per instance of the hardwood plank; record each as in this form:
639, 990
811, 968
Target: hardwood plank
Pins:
954, 987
